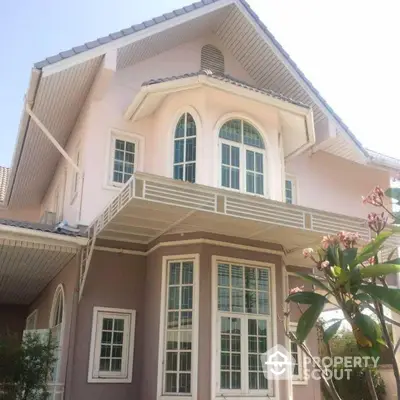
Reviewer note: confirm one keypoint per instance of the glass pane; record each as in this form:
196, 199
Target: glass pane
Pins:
223, 275
250, 160
172, 361
253, 380
235, 362
118, 177
223, 299
235, 327
235, 178
262, 327
180, 128
119, 155
190, 172
263, 306
190, 126
236, 343
173, 318
251, 136
225, 380
235, 156
185, 361
187, 273
172, 340
128, 168
118, 324
179, 147
118, 337
173, 298
250, 278
191, 149
237, 300
104, 364
237, 276
129, 158
186, 340
225, 324
105, 351
225, 361
117, 351
259, 163
252, 327
225, 175
130, 147
263, 382
116, 364
107, 324
236, 381
170, 384
253, 362
226, 159
225, 343
178, 172
262, 345
232, 130
250, 186
106, 337
187, 297
118, 166
251, 301
262, 279
184, 383
186, 320
119, 144
174, 273
259, 184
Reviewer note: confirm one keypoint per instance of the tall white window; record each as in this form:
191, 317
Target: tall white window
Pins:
112, 345
290, 190
244, 328
179, 358
185, 149
123, 159
242, 157
31, 321
56, 328
298, 375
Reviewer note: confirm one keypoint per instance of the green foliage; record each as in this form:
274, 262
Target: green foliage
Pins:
306, 298
331, 331
372, 248
25, 367
373, 271
309, 318
316, 281
388, 296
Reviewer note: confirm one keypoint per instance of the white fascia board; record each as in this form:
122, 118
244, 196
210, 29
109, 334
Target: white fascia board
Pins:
25, 234
134, 37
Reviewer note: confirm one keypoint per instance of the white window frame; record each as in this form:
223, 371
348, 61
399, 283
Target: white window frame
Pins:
124, 376
139, 142
300, 378
293, 180
195, 258
75, 175
242, 159
33, 315
273, 389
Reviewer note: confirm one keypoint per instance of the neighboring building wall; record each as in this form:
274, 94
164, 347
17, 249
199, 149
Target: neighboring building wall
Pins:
12, 319
26, 214
43, 304
334, 184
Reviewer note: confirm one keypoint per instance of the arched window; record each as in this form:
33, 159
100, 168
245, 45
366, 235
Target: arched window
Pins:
185, 149
56, 328
242, 157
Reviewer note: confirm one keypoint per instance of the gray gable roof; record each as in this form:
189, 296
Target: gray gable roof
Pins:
227, 79
185, 10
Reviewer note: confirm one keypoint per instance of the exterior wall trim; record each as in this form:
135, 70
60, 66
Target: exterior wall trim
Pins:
195, 326
214, 325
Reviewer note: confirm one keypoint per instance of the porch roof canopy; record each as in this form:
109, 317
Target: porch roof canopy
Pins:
296, 119
30, 257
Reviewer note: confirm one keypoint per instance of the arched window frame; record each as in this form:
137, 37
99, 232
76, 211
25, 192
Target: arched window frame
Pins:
242, 154
193, 112
57, 327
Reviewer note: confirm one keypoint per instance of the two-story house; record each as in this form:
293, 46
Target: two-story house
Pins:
195, 161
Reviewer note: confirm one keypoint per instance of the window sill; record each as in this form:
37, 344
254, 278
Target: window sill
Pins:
115, 187
109, 380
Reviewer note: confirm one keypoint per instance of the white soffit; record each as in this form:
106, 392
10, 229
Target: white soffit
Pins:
26, 268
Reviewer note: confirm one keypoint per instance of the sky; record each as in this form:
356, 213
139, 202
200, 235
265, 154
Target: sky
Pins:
350, 50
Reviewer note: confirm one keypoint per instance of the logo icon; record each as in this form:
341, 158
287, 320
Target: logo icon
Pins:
277, 363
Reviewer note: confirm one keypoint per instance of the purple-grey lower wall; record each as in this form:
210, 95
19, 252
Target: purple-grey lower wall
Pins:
12, 319
113, 280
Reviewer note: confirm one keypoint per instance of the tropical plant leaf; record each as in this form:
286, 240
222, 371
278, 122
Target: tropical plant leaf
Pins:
349, 255
372, 247
368, 327
309, 318
395, 260
388, 296
363, 297
373, 271
393, 193
313, 279
332, 255
305, 297
331, 331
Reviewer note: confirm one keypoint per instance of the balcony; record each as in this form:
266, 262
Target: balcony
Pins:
150, 206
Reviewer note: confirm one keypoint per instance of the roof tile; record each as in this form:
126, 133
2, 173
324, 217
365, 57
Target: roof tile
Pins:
161, 18
79, 49
104, 39
53, 59
67, 54
169, 15
149, 23
117, 35
189, 8
138, 27
92, 45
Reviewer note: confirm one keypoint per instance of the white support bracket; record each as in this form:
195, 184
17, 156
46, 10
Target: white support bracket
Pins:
51, 137
86, 257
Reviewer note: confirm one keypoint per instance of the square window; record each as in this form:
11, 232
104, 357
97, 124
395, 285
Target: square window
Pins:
112, 343
123, 159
